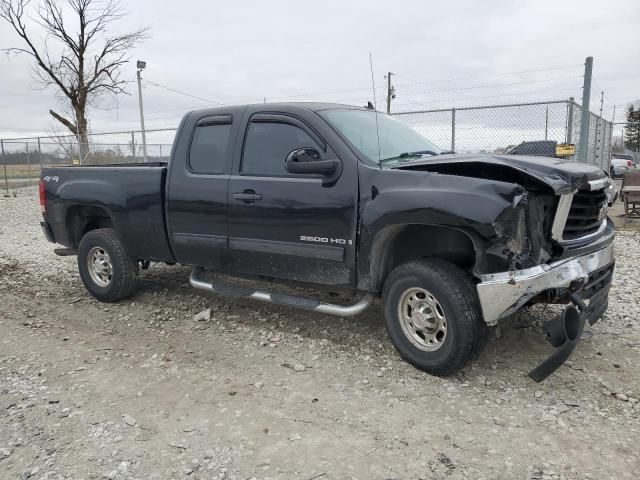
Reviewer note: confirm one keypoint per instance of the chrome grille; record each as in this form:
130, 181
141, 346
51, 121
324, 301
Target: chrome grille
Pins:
585, 215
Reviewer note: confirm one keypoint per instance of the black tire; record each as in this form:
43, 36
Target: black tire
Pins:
466, 331
124, 269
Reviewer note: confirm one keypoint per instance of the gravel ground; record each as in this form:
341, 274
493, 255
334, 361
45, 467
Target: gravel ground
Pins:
175, 384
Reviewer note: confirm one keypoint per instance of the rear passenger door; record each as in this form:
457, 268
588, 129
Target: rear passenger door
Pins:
197, 190
282, 225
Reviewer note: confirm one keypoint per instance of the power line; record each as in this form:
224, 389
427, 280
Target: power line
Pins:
498, 84
491, 96
462, 89
500, 74
184, 93
432, 81
434, 86
326, 93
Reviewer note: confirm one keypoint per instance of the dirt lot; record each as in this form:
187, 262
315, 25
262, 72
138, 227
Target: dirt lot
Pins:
143, 390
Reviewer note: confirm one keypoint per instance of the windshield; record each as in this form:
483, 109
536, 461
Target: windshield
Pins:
398, 143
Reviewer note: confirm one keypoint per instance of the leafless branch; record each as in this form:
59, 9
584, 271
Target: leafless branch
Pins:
90, 61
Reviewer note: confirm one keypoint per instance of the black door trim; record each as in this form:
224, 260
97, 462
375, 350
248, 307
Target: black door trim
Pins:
200, 240
308, 250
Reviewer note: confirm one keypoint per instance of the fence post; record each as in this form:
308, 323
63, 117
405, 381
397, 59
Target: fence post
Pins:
4, 162
570, 120
133, 146
26, 144
546, 123
39, 153
611, 139
599, 141
453, 129
584, 122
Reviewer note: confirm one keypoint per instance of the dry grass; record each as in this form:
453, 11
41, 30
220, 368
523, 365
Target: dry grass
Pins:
20, 171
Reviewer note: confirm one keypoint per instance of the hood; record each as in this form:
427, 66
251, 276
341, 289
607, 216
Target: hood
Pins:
562, 176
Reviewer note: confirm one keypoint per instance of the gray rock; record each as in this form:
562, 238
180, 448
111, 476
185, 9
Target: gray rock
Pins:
5, 452
111, 475
298, 367
622, 396
179, 444
203, 316
129, 420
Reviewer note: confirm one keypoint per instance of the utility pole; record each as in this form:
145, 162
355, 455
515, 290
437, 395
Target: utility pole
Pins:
584, 118
391, 92
141, 65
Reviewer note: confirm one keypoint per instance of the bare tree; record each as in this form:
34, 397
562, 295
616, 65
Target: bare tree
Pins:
88, 60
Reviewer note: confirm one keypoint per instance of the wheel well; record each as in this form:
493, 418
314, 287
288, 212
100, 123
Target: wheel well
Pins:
400, 244
82, 219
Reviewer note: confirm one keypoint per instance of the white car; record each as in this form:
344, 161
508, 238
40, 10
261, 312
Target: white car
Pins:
620, 163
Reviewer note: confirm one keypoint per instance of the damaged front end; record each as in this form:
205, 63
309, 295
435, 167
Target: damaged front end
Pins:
521, 239
552, 244
563, 332
543, 272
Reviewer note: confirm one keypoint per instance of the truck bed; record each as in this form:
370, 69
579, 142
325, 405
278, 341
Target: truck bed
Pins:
130, 195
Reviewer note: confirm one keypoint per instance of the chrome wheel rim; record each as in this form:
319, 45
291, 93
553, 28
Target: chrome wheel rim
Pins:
422, 319
99, 266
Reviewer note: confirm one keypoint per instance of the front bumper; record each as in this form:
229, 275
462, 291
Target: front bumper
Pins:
504, 293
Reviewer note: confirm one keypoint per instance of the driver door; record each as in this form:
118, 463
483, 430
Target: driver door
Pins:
284, 225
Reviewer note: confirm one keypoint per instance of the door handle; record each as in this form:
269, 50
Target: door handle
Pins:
248, 196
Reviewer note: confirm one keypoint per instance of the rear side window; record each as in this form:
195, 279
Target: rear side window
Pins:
268, 144
209, 148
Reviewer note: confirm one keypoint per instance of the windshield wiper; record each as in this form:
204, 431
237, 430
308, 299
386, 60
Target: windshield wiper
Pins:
404, 155
419, 152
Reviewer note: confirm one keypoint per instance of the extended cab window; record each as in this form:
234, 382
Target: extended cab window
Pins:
267, 145
209, 146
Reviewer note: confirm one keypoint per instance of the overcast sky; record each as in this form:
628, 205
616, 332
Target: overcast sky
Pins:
244, 51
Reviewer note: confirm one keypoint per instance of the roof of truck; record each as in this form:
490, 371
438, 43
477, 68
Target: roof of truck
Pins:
284, 106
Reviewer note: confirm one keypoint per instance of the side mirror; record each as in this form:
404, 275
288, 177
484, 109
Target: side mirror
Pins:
309, 161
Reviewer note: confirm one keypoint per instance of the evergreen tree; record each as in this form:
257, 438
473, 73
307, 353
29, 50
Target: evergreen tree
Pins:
632, 129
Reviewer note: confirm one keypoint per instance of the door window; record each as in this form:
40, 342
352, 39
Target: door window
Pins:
267, 145
208, 153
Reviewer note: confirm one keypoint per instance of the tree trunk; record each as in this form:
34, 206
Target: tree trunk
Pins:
83, 139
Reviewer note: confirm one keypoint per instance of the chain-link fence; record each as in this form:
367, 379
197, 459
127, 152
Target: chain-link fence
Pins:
498, 128
483, 129
22, 158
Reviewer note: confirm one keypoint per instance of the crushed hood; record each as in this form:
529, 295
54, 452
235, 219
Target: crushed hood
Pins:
563, 176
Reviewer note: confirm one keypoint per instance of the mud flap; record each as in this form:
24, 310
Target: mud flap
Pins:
563, 332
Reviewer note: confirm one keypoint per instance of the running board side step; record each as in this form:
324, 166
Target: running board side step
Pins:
65, 252
280, 298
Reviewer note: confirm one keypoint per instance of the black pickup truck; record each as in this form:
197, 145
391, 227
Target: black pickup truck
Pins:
348, 198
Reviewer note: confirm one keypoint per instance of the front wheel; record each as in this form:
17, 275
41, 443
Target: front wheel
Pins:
106, 270
433, 316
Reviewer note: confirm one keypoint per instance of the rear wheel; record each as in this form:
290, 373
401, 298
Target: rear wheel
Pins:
106, 270
433, 316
